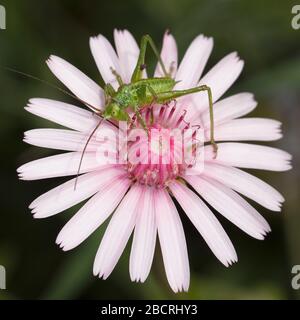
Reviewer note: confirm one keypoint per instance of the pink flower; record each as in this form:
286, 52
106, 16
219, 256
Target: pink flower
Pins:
139, 196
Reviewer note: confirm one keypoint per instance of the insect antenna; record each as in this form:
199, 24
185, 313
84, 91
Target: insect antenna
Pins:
51, 85
95, 110
84, 150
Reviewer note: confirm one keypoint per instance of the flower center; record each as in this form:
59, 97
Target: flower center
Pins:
155, 153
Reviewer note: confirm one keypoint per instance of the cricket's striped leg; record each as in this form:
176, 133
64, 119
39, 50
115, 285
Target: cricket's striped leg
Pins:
170, 95
137, 73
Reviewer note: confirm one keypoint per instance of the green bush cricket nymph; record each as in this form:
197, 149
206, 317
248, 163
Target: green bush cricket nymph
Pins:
138, 94
142, 92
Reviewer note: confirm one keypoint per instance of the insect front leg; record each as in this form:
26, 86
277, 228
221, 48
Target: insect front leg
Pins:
153, 93
109, 92
141, 121
170, 95
118, 77
143, 94
140, 66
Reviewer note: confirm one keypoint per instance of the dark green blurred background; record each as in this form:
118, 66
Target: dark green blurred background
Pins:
260, 31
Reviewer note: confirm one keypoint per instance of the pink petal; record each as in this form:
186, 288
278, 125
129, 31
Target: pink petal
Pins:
71, 140
231, 206
92, 214
65, 164
250, 156
118, 232
65, 195
193, 62
82, 86
64, 114
246, 184
247, 129
205, 222
105, 58
230, 108
172, 242
169, 56
128, 52
144, 239
219, 79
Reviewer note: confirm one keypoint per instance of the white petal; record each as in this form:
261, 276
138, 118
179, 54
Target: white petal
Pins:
247, 129
172, 242
64, 114
169, 56
128, 52
230, 108
144, 239
65, 164
246, 184
219, 79
92, 214
105, 58
70, 140
65, 195
250, 156
205, 222
82, 86
193, 62
231, 206
117, 233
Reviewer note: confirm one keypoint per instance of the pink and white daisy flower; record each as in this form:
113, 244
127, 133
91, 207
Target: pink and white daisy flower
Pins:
139, 196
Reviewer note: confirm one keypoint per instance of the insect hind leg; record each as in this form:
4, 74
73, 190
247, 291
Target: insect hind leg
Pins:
137, 73
164, 97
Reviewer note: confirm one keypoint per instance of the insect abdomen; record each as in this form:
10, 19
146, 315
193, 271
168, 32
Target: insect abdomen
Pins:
142, 92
